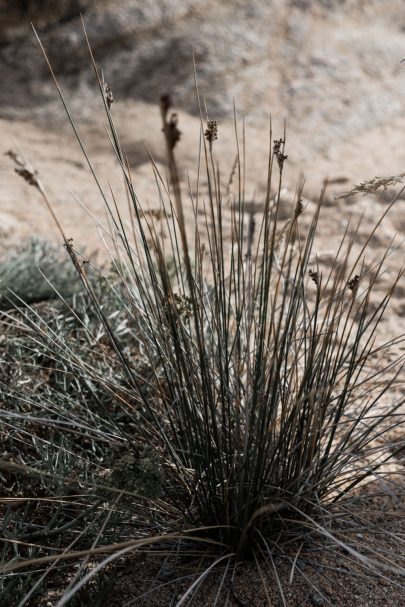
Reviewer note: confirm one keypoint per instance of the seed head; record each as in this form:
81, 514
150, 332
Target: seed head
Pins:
278, 151
373, 186
108, 95
314, 277
211, 132
353, 283
25, 170
298, 208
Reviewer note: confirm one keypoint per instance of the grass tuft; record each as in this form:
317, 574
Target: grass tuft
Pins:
218, 394
34, 273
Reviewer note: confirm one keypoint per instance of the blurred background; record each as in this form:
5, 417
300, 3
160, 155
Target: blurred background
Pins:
330, 68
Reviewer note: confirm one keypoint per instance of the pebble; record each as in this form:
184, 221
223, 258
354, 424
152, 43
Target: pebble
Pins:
317, 600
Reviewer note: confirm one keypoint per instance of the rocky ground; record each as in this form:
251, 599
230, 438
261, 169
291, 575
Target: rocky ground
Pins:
331, 69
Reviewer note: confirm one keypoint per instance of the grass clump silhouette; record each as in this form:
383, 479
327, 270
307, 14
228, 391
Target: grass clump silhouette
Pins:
247, 372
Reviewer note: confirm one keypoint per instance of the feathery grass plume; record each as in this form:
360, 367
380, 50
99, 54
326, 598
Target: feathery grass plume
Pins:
258, 395
373, 186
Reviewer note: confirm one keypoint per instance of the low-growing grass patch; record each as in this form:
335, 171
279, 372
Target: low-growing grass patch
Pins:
34, 272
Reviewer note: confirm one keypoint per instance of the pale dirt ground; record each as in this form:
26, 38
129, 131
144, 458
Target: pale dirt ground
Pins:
334, 76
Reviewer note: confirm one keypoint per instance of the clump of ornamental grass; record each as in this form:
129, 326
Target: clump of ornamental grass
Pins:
258, 394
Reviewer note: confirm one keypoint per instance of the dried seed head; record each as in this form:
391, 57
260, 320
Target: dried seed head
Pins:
68, 244
211, 132
108, 95
373, 186
13, 156
278, 151
314, 277
30, 177
25, 170
298, 208
353, 283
